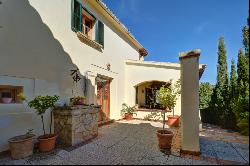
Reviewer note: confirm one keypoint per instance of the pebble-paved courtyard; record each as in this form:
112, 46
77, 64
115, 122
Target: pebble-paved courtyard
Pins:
135, 142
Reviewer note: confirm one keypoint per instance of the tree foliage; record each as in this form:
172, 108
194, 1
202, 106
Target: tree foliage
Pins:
228, 105
168, 95
205, 93
220, 96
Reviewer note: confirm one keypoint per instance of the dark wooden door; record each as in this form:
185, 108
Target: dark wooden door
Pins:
103, 99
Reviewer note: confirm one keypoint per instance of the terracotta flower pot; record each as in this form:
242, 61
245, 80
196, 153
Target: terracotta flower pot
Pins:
173, 121
129, 116
165, 139
21, 146
47, 142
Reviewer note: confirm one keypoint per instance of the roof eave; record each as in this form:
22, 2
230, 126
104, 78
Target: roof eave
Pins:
122, 27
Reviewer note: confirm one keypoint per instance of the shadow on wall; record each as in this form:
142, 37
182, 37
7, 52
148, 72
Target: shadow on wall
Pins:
29, 49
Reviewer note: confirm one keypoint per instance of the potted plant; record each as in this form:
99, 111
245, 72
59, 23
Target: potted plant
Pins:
22, 146
79, 100
128, 111
167, 97
6, 97
42, 104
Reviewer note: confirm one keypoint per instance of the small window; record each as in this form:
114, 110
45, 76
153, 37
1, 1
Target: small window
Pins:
87, 24
9, 94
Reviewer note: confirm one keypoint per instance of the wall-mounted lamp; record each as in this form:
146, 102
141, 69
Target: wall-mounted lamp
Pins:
108, 66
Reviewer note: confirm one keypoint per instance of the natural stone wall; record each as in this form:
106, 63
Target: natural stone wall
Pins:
76, 125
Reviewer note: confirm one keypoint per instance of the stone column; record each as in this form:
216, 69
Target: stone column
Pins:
190, 101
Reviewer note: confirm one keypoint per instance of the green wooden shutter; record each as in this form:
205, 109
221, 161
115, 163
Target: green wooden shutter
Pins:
76, 16
99, 33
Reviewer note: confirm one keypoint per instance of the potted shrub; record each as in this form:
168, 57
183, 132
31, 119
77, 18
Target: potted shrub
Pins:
6, 97
79, 100
167, 97
128, 111
22, 146
42, 104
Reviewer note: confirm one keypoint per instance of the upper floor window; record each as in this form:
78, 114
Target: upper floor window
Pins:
87, 24
83, 21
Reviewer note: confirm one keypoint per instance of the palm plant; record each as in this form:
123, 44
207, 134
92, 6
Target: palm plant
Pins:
128, 110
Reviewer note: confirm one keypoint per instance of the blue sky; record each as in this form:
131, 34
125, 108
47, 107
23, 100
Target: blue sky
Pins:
167, 27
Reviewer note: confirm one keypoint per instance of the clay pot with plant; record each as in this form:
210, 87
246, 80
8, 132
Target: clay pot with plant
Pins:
6, 97
22, 146
79, 100
41, 104
167, 97
128, 112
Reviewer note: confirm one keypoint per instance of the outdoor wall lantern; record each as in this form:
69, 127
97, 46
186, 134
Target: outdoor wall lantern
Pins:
108, 66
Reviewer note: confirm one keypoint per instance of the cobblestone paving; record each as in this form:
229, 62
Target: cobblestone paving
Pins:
130, 142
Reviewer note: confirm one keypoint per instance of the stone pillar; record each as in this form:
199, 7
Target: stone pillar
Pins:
190, 101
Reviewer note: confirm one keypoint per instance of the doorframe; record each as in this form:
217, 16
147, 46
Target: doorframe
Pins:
100, 76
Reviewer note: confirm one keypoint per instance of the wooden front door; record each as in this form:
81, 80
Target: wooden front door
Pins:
103, 99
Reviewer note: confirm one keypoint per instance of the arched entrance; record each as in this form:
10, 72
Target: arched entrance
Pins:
146, 94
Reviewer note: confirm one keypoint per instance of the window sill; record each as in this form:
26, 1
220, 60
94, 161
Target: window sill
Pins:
83, 38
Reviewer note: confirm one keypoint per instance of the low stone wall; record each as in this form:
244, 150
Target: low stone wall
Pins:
76, 124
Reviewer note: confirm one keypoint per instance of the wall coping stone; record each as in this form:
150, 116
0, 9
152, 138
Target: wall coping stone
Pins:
77, 110
190, 54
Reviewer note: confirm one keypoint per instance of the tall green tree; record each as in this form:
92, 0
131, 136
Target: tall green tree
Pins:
220, 97
205, 93
242, 109
242, 72
230, 119
233, 81
245, 32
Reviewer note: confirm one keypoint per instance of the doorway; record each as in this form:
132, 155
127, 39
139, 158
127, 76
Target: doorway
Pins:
103, 97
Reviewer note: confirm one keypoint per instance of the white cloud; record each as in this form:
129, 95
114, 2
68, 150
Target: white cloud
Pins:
200, 28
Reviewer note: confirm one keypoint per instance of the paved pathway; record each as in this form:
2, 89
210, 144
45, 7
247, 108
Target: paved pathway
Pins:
125, 142
224, 146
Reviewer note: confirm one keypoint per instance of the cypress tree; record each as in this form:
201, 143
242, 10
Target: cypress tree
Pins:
230, 115
242, 109
245, 32
233, 81
220, 98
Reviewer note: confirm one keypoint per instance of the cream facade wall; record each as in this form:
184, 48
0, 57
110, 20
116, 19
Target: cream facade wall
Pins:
38, 50
140, 72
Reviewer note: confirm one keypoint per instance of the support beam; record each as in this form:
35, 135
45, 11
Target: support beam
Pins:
190, 101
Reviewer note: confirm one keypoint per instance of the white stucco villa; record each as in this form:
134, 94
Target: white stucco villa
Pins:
41, 41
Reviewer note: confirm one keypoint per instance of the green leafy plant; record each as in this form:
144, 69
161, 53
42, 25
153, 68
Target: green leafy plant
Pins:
243, 123
128, 110
41, 104
29, 132
21, 97
167, 97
